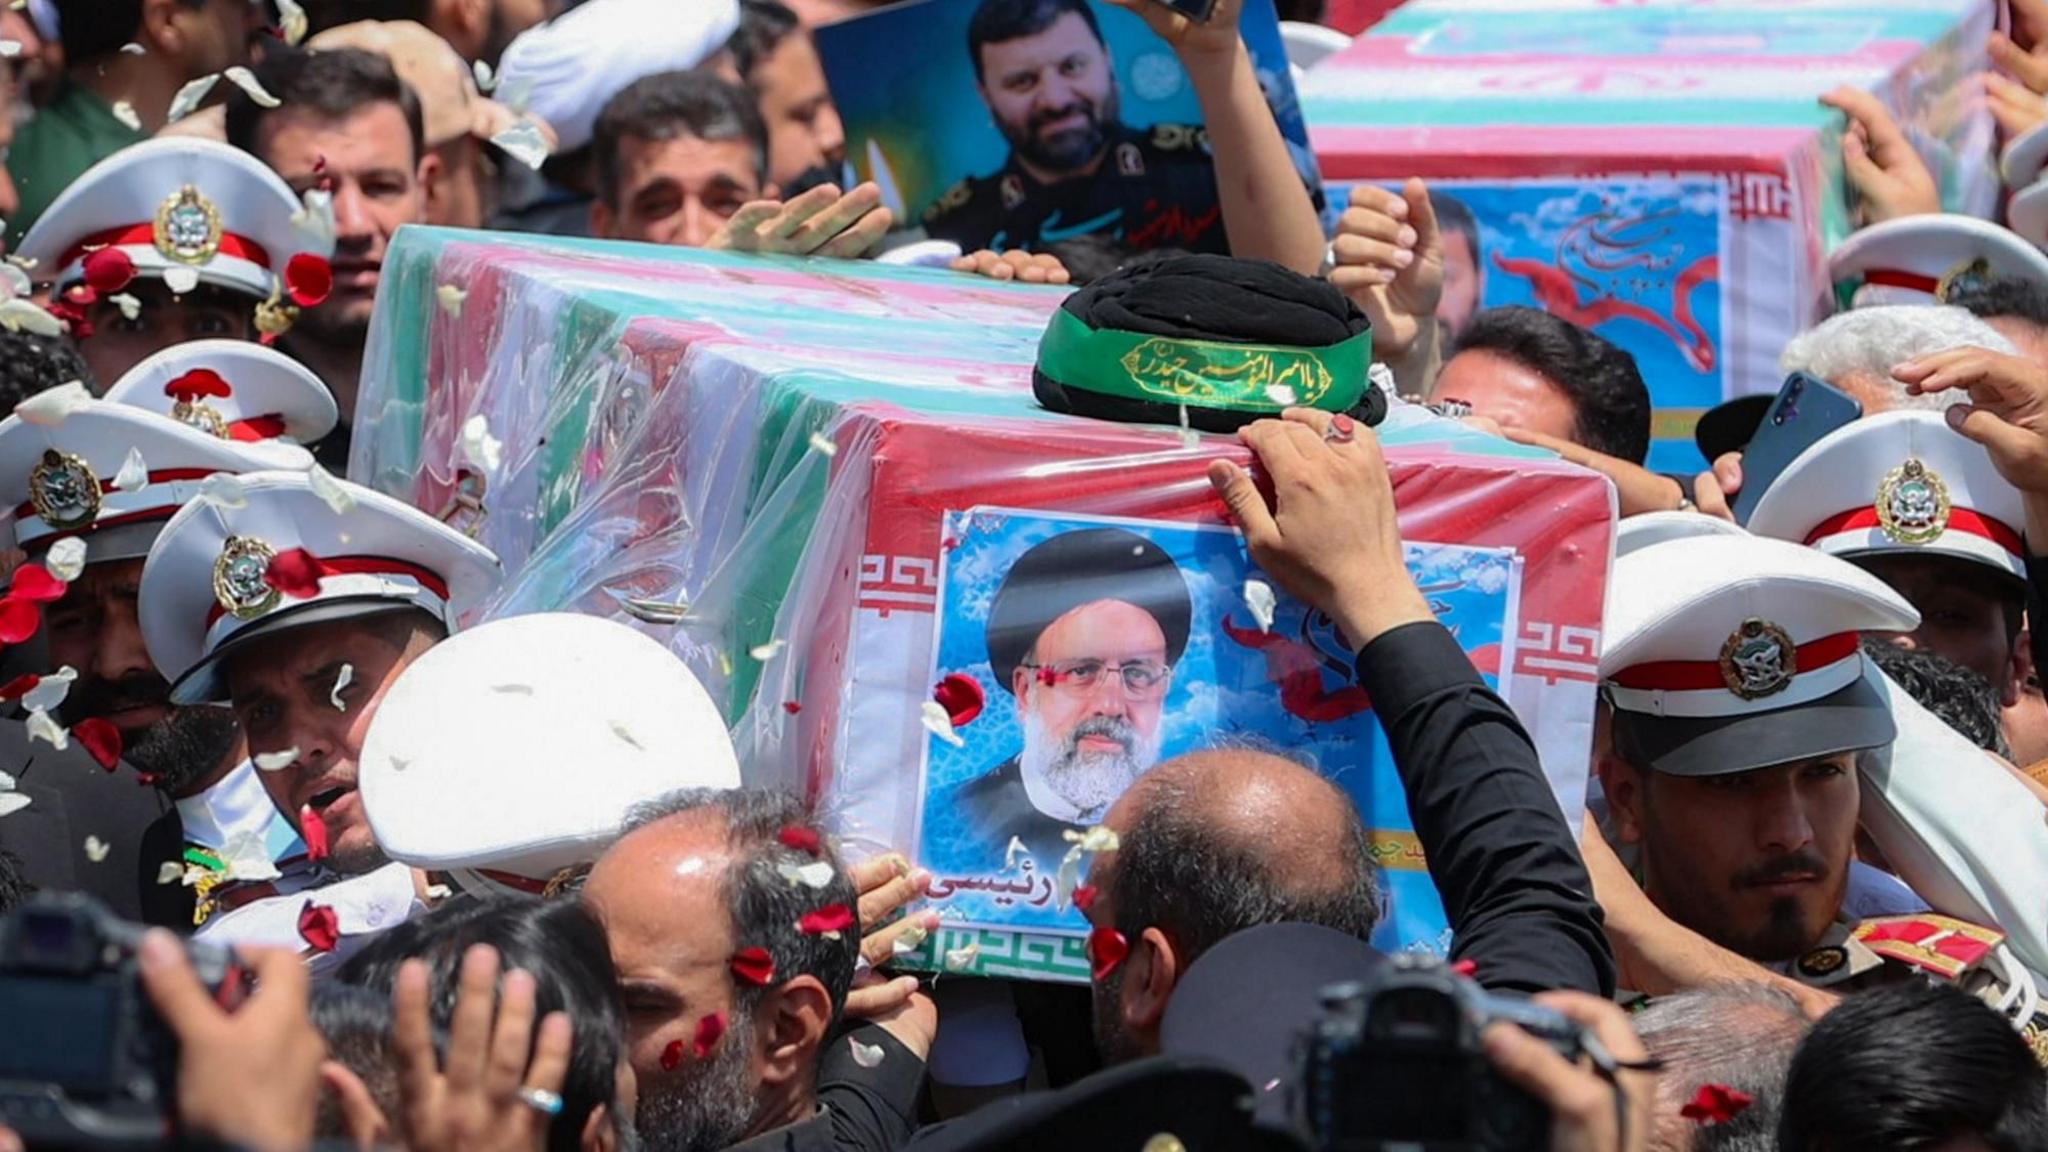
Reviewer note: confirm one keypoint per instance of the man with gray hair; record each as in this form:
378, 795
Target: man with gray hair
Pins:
1856, 351
1737, 1036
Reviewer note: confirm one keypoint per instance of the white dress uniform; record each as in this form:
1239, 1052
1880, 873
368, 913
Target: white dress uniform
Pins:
1921, 259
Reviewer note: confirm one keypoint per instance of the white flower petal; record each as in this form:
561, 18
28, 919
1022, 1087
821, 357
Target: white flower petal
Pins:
524, 143
315, 218
479, 447
291, 20
866, 1055
907, 943
14, 278
273, 761
52, 406
191, 96
247, 856
620, 730
513, 689
96, 849
130, 307
766, 652
12, 48
1189, 438
438, 892
134, 473
451, 298
170, 872
134, 49
958, 958
939, 723
6, 782
1068, 877
823, 445
1100, 838
816, 874
41, 727
125, 113
1280, 394
330, 490
50, 691
1015, 848
485, 80
518, 94
27, 316
246, 80
222, 490
347, 676
12, 802
1258, 596
181, 279
66, 558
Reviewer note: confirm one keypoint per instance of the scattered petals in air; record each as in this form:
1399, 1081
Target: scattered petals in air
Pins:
330, 491
802, 839
1189, 438
34, 582
524, 143
341, 682
313, 830
244, 79
1258, 596
223, 491
319, 927
485, 80
100, 739
170, 872
134, 474
1716, 1104
938, 723
109, 270
125, 113
823, 444
12, 48
52, 406
191, 96
12, 802
828, 921
908, 942
96, 849
66, 558
294, 572
1100, 838
181, 280
710, 1029
1067, 880
816, 874
754, 966
315, 217
49, 691
1011, 851
962, 698
792, 707
247, 856
672, 1056
27, 316
41, 727
273, 761
19, 619
308, 279
1106, 951
866, 1055
620, 730
451, 298
479, 447
1084, 897
437, 892
1280, 394
1468, 968
766, 652
960, 958
291, 20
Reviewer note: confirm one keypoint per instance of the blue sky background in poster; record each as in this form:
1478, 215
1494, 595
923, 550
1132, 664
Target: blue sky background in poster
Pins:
905, 89
1221, 687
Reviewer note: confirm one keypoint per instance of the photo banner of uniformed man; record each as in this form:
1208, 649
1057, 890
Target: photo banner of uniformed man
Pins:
1076, 653
1035, 123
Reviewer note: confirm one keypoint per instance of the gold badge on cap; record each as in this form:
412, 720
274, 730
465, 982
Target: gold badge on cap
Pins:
202, 416
188, 227
239, 581
64, 490
1912, 503
1758, 659
1968, 274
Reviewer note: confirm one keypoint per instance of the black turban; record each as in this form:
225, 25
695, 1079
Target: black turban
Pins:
1077, 568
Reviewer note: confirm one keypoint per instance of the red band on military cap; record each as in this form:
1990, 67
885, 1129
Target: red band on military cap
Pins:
164, 476
231, 244
1959, 520
256, 428
514, 881
1899, 278
361, 565
1696, 675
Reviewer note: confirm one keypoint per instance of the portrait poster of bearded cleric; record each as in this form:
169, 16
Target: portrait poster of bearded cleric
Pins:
1040, 124
1074, 654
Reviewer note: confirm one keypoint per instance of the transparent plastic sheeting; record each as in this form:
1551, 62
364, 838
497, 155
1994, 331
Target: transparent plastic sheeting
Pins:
822, 471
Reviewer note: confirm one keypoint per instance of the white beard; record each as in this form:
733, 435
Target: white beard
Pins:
1089, 782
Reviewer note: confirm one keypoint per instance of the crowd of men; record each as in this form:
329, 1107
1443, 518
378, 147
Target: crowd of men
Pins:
1805, 908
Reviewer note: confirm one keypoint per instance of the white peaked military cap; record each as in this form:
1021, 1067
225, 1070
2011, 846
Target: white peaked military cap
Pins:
222, 577
176, 202
114, 474
235, 390
1636, 533
2021, 165
568, 68
1897, 482
1725, 654
514, 751
1920, 259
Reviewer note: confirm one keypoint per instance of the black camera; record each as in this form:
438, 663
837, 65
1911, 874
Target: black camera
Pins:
1396, 1063
85, 1060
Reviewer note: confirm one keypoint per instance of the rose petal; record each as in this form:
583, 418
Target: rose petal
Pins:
34, 582
962, 698
108, 270
125, 113
224, 491
16, 688
620, 730
295, 572
291, 20
523, 142
246, 80
273, 761
802, 839
19, 619
792, 707
247, 856
49, 692
315, 219
1084, 896
96, 849
27, 316
52, 406
766, 652
191, 96
198, 383
313, 830
938, 723
866, 1055
1280, 394
331, 491
181, 279
827, 920
66, 558
1258, 596
319, 927
347, 676
12, 802
1100, 838
1106, 951
479, 447
1015, 848
709, 1030
1189, 438
908, 942
130, 307
41, 727
308, 279
170, 872
672, 1056
100, 739
959, 958
450, 298
134, 474
816, 874
485, 80
754, 966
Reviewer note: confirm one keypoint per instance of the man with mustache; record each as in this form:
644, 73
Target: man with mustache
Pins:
1084, 632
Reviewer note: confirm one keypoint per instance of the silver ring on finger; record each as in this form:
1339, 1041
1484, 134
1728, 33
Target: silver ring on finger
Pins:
541, 1100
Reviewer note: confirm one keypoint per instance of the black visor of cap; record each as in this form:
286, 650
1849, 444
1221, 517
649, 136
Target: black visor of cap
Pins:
1849, 719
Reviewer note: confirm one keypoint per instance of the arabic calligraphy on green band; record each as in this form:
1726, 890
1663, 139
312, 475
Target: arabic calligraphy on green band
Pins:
1204, 373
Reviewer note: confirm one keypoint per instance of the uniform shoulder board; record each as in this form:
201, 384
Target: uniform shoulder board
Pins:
1836, 959
1941, 945
954, 197
1180, 138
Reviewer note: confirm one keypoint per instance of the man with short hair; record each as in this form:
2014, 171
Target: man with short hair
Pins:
1737, 1035
776, 58
347, 126
105, 88
1856, 351
1525, 369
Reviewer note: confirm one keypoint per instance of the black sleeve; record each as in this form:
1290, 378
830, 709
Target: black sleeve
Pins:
1507, 867
2037, 610
872, 1109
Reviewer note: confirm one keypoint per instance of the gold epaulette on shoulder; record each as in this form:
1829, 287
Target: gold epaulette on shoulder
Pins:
1943, 945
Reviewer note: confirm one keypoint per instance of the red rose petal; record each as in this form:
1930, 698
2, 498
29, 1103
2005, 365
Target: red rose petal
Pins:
19, 619
1106, 951
313, 830
755, 966
1084, 896
709, 1029
802, 839
101, 739
34, 582
792, 707
20, 686
319, 927
295, 573
308, 278
108, 270
1716, 1104
961, 696
1468, 968
672, 1055
831, 918
197, 383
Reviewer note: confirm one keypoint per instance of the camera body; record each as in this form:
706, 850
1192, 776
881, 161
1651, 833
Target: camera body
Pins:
1396, 1062
84, 1057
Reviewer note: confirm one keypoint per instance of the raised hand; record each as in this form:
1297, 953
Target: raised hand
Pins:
1390, 261
1881, 163
821, 222
489, 1097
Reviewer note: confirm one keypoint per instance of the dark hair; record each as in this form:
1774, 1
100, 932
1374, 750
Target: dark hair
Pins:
1962, 699
334, 84
1741, 1035
1176, 871
766, 907
14, 887
999, 20
764, 25
30, 364
671, 104
560, 943
2019, 297
1606, 389
91, 29
1912, 1065
356, 1023
1453, 216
